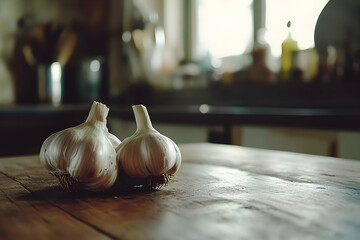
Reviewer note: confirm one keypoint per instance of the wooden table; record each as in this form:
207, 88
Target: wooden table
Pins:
220, 192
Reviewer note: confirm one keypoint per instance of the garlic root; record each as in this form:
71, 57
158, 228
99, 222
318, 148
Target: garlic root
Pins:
67, 182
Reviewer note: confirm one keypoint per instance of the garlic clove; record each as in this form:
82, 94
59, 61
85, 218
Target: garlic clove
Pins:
115, 142
83, 156
148, 154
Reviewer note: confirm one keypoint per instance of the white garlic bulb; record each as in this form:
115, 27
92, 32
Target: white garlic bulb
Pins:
147, 154
83, 156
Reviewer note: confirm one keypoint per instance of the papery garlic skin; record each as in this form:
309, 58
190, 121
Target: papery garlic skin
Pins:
147, 153
86, 152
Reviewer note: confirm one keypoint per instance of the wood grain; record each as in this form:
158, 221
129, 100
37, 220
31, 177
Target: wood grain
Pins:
220, 192
21, 219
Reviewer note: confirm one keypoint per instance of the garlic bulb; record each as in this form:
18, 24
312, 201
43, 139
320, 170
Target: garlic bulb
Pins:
84, 156
148, 155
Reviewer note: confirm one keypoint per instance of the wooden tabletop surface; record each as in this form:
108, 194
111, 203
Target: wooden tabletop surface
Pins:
220, 192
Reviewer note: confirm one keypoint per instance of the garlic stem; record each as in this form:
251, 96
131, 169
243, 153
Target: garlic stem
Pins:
98, 113
142, 117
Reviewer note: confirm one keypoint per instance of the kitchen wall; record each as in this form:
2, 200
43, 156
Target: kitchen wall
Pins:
344, 144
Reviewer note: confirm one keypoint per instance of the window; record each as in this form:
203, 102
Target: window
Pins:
303, 16
225, 27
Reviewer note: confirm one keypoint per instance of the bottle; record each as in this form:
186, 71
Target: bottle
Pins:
288, 46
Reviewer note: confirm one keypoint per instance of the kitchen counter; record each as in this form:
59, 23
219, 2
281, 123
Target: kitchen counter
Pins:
28, 125
325, 118
220, 192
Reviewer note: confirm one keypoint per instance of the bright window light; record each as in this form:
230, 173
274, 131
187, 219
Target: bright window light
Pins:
303, 16
225, 27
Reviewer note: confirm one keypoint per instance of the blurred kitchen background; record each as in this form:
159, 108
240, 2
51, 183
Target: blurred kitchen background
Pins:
200, 66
